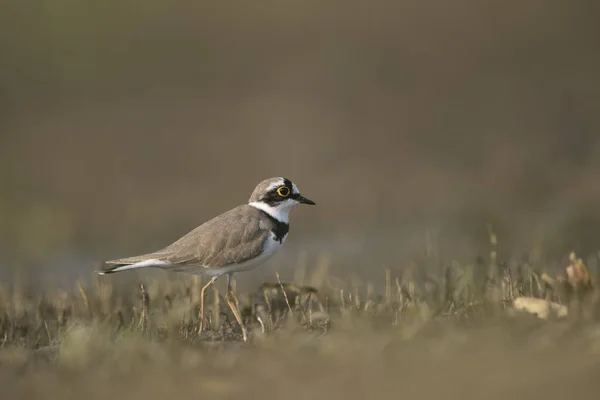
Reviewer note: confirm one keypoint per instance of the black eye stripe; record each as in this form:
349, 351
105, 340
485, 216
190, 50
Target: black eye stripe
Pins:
272, 197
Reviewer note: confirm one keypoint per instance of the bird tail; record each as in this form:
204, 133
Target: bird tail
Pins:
112, 267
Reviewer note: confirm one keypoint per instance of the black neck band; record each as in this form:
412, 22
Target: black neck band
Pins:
281, 228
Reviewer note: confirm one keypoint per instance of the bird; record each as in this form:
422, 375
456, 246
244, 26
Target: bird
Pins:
238, 240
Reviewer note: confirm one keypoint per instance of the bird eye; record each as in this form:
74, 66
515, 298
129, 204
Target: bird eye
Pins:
283, 191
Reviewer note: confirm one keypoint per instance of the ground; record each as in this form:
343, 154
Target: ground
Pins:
426, 338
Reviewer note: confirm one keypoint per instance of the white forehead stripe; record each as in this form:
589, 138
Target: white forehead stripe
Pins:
275, 184
295, 189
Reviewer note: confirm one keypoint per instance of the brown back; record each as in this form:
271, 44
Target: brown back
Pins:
230, 238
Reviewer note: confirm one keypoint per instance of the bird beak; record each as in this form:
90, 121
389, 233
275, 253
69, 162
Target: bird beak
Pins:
301, 199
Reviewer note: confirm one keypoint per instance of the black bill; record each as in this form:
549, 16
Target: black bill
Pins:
301, 199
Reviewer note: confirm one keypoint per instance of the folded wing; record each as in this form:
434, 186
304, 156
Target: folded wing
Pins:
230, 238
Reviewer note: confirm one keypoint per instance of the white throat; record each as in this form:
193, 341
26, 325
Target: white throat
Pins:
281, 212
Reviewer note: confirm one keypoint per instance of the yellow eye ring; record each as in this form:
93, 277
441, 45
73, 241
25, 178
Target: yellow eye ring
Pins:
283, 191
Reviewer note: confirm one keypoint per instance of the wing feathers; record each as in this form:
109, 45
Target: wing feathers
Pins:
230, 238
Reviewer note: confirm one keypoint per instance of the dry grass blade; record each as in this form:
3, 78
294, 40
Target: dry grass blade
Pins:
84, 297
145, 306
284, 293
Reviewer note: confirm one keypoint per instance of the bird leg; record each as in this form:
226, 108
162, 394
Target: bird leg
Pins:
212, 280
233, 304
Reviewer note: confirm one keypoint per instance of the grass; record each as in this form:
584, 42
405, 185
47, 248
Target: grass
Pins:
517, 331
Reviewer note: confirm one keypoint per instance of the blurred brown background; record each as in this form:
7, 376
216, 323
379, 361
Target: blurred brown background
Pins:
124, 124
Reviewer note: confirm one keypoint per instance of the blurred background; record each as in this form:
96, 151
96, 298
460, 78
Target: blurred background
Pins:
125, 124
